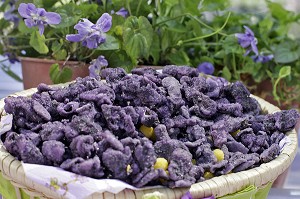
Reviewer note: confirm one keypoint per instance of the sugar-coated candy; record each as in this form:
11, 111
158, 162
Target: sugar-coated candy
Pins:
172, 128
54, 151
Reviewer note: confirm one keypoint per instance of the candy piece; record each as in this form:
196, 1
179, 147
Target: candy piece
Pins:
147, 131
208, 175
219, 154
161, 163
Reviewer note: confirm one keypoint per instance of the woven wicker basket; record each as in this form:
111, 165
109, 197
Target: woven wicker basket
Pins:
13, 171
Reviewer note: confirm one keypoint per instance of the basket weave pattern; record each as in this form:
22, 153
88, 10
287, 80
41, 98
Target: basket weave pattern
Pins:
12, 170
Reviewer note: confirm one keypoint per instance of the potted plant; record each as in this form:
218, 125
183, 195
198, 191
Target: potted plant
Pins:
258, 48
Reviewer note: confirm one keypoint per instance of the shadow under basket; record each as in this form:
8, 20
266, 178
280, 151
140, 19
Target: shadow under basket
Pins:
14, 184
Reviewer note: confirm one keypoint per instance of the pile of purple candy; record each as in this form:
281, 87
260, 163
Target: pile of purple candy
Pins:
93, 127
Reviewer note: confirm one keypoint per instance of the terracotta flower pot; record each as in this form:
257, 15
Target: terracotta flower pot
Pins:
36, 70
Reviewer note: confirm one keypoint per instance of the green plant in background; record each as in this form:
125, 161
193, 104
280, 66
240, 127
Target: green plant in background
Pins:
165, 32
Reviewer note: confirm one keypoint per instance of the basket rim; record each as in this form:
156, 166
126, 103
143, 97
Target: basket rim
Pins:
12, 168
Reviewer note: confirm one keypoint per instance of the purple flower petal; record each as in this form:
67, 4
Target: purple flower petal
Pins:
91, 35
41, 28
206, 68
122, 12
74, 37
24, 10
52, 18
37, 16
262, 58
247, 41
41, 12
254, 47
91, 43
249, 31
84, 26
29, 23
12, 58
97, 65
104, 22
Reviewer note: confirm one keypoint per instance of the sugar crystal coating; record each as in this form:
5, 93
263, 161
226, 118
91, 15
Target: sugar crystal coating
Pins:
100, 128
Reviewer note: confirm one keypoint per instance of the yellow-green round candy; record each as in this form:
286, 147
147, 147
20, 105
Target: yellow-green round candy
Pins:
219, 154
208, 175
147, 131
161, 163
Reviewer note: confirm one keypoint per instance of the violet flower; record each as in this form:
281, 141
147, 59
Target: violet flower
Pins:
10, 16
122, 12
89, 34
37, 16
12, 58
206, 68
262, 58
248, 41
97, 65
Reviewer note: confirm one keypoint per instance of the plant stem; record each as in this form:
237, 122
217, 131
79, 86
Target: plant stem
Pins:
158, 6
19, 47
211, 34
89, 55
15, 36
203, 24
171, 19
236, 76
128, 7
201, 44
138, 8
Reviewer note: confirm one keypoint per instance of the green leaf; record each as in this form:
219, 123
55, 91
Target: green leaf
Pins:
191, 7
24, 29
171, 3
178, 57
220, 54
119, 59
137, 37
175, 26
4, 24
266, 24
213, 5
37, 41
70, 14
284, 71
286, 52
111, 43
226, 73
88, 9
60, 54
166, 39
230, 45
38, 3
155, 49
279, 12
48, 3
56, 46
58, 75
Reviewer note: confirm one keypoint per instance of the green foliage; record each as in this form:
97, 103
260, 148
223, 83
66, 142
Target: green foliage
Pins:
37, 41
137, 37
60, 75
284, 72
